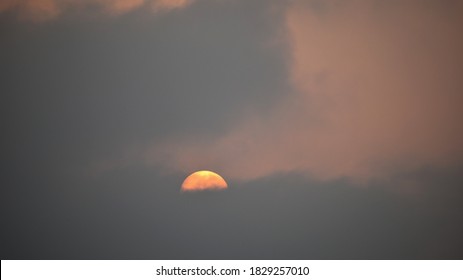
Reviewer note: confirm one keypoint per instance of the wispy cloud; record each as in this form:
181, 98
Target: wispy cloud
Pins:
377, 89
44, 10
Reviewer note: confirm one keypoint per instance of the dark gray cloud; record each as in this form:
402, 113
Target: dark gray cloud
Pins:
90, 90
136, 213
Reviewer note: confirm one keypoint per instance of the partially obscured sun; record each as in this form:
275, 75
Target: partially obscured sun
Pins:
203, 180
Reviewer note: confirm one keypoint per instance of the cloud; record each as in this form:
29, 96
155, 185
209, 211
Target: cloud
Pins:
44, 10
377, 89
167, 5
36, 10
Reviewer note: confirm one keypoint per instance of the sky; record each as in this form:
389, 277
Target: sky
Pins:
337, 126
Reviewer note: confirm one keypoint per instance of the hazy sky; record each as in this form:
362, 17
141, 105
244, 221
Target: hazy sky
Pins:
336, 124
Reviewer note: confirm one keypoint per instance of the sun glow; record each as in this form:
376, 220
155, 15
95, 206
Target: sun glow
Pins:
203, 180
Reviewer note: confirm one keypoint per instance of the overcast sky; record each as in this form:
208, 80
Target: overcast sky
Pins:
336, 124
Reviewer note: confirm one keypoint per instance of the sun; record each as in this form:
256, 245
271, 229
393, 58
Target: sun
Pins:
203, 180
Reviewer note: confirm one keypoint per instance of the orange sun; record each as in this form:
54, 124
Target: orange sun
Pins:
203, 180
